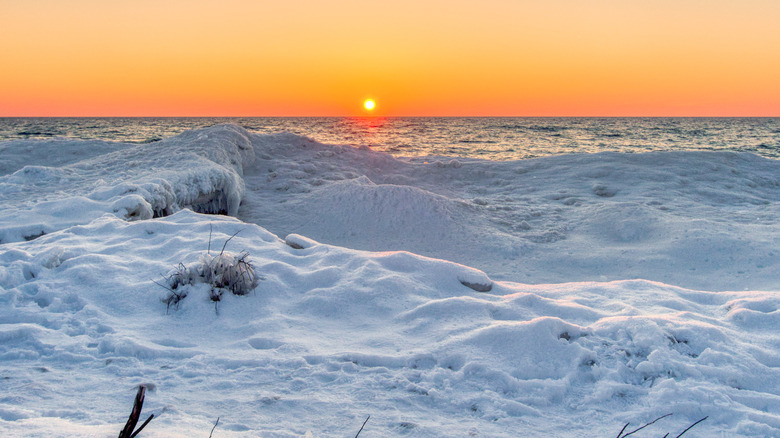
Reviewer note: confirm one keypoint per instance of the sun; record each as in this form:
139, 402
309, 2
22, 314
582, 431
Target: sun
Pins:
369, 104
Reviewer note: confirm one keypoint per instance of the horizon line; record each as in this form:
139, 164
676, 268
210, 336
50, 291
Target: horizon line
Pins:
395, 117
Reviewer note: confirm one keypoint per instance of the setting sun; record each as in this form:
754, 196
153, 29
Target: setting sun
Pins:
369, 104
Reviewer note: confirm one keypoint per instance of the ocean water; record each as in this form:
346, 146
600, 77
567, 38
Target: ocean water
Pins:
494, 138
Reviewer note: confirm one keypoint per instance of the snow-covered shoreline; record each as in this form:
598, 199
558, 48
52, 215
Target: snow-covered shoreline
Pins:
639, 310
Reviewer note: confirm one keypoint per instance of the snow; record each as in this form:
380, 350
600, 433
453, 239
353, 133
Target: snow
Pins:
562, 296
201, 170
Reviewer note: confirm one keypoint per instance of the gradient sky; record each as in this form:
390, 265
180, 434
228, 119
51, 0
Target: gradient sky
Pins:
414, 57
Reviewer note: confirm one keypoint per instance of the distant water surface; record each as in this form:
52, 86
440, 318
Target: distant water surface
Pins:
495, 138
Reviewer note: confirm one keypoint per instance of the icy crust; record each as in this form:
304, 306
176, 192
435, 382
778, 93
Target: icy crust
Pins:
332, 335
702, 220
69, 182
16, 154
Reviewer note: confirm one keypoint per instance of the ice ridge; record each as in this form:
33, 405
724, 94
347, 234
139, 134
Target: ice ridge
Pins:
54, 184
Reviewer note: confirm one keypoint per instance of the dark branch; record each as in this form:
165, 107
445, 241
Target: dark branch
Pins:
361, 427
691, 426
208, 251
215, 426
163, 286
637, 430
226, 242
142, 426
127, 432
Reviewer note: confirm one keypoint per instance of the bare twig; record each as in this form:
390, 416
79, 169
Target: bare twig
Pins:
637, 430
226, 242
361, 427
142, 426
163, 286
215, 426
138, 405
135, 413
623, 430
174, 298
211, 228
691, 426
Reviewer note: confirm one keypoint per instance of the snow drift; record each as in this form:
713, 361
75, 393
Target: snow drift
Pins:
332, 335
200, 170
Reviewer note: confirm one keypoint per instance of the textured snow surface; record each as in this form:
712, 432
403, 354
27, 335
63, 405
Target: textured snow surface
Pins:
69, 182
703, 220
656, 291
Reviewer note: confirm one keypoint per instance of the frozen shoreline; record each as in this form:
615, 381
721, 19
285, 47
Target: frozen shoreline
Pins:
351, 324
703, 220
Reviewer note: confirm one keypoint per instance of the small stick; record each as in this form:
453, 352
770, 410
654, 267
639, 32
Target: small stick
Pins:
142, 426
215, 426
164, 287
361, 427
168, 300
211, 226
691, 426
226, 242
138, 405
623, 430
637, 430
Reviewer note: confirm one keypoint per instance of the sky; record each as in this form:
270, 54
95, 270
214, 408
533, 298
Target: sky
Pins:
413, 57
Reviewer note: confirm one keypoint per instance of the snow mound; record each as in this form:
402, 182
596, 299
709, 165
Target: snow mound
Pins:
297, 241
201, 170
703, 220
388, 210
589, 217
331, 335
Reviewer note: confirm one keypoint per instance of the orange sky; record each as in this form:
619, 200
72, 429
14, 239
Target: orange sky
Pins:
415, 58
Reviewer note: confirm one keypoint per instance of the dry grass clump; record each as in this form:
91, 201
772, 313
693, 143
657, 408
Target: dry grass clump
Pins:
225, 271
228, 271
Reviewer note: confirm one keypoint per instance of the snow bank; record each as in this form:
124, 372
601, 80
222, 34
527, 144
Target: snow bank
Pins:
703, 220
332, 335
49, 185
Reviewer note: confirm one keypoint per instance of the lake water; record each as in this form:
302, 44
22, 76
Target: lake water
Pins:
495, 138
